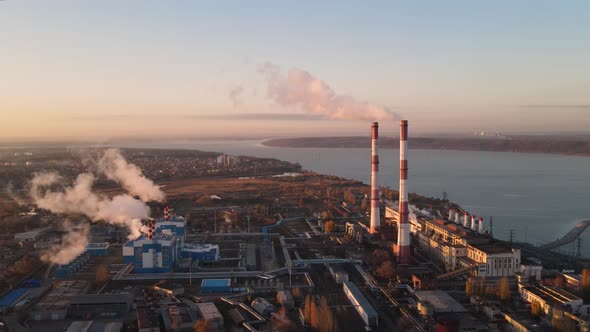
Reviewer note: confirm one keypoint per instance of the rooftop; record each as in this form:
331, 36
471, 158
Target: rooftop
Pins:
441, 301
216, 282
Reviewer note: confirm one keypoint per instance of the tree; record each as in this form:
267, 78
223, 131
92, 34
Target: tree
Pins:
102, 273
561, 322
327, 215
558, 281
315, 317
475, 287
202, 325
364, 204
536, 309
385, 270
330, 226
327, 322
349, 196
504, 289
378, 257
307, 309
585, 285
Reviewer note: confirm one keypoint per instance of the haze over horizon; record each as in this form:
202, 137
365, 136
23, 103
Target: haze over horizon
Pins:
96, 70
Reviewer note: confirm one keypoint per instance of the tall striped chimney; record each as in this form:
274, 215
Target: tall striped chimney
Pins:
474, 223
375, 213
403, 235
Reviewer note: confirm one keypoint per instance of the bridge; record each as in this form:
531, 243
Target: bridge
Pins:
570, 237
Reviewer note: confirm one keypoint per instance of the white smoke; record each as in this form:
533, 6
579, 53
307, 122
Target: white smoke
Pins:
114, 166
79, 199
72, 245
122, 210
234, 94
299, 88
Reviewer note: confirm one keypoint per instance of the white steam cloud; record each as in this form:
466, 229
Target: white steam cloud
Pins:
301, 89
73, 243
234, 94
114, 166
80, 199
122, 210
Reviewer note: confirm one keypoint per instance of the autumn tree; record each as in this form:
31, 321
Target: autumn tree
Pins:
349, 196
307, 309
378, 257
330, 226
315, 317
558, 281
327, 322
585, 285
475, 287
385, 270
102, 273
364, 204
536, 309
561, 322
202, 325
504, 289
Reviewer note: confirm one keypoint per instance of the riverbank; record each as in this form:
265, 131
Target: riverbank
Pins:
517, 144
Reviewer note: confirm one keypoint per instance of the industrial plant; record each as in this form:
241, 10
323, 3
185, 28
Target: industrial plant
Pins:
285, 251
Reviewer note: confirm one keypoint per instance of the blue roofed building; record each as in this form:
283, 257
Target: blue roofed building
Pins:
216, 285
160, 252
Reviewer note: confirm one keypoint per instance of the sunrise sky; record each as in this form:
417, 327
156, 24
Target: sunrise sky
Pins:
111, 68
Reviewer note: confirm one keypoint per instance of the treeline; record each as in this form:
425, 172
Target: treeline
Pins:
521, 144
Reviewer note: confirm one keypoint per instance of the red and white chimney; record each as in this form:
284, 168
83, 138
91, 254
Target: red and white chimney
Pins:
466, 220
403, 235
457, 216
474, 223
166, 213
375, 212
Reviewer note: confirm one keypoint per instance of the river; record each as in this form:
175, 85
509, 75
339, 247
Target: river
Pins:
538, 196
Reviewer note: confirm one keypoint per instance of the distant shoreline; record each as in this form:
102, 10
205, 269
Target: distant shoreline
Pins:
523, 144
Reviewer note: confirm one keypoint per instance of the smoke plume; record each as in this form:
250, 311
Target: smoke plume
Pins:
114, 166
234, 94
72, 245
301, 89
122, 210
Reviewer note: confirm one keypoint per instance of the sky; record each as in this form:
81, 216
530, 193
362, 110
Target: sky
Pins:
104, 69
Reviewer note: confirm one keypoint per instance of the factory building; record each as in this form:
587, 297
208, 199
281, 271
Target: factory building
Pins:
164, 245
458, 247
552, 297
155, 255
360, 303
200, 252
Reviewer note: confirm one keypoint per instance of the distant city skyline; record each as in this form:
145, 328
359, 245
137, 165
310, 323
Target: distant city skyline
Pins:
96, 70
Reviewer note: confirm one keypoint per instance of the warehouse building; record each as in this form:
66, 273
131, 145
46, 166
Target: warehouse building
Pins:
362, 306
100, 304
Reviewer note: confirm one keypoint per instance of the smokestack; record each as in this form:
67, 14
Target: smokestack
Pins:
457, 216
166, 213
375, 213
450, 215
466, 220
403, 235
474, 223
481, 226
